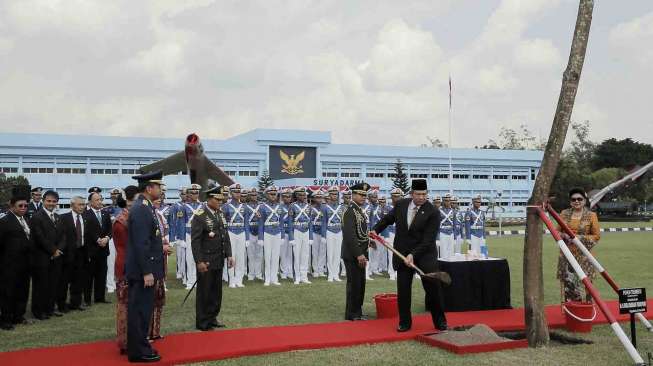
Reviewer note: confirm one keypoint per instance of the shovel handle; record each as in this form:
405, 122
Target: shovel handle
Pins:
382, 241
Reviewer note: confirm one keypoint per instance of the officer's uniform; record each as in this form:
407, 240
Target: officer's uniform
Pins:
34, 206
300, 235
318, 250
113, 211
191, 208
210, 245
437, 203
382, 262
254, 250
475, 227
332, 231
236, 214
448, 222
367, 211
270, 234
395, 194
355, 243
177, 234
144, 256
377, 255
458, 228
346, 202
285, 251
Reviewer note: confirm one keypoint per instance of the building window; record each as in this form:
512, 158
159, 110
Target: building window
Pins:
440, 176
532, 174
350, 175
392, 175
128, 171
419, 175
461, 176
8, 170
104, 171
248, 173
231, 173
500, 176
519, 177
480, 176
519, 203
330, 174
375, 175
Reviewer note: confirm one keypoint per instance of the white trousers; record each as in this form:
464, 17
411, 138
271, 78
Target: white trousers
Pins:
391, 270
238, 251
476, 243
318, 255
334, 246
446, 245
302, 255
111, 262
286, 258
373, 263
382, 262
271, 249
254, 259
458, 246
180, 251
191, 267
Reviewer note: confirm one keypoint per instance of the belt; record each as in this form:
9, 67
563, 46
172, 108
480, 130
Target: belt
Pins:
237, 224
272, 224
476, 227
334, 225
446, 226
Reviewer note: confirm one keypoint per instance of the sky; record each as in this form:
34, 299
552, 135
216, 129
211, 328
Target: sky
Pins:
369, 71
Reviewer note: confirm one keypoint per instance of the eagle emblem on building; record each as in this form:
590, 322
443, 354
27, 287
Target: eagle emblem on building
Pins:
292, 163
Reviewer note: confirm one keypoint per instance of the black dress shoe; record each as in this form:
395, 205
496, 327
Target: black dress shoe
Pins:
403, 328
442, 326
219, 325
41, 317
359, 318
144, 359
205, 329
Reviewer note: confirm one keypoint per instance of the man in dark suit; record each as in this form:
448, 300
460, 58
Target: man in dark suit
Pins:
416, 224
35, 204
15, 244
75, 258
46, 257
355, 242
210, 245
144, 264
98, 226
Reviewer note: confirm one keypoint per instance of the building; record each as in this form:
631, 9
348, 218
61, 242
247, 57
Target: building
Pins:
70, 163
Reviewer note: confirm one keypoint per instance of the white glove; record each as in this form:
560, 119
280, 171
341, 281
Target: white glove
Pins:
260, 242
310, 242
246, 243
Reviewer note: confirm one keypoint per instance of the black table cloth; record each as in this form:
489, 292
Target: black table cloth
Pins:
476, 285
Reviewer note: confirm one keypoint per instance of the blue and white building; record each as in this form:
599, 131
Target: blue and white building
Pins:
73, 163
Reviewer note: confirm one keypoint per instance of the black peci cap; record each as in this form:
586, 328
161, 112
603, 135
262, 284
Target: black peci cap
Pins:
418, 185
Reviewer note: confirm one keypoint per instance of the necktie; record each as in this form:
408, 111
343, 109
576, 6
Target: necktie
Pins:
411, 215
51, 216
78, 232
24, 225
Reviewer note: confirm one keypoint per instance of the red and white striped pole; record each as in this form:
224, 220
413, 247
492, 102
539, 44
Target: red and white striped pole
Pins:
593, 260
632, 352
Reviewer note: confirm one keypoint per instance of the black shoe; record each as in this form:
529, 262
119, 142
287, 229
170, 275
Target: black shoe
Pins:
149, 358
442, 326
403, 328
22, 321
205, 329
41, 317
7, 326
219, 325
359, 318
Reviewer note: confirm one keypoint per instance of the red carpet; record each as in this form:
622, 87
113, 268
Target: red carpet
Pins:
203, 346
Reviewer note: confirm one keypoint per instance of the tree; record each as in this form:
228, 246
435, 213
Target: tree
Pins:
511, 139
6, 183
582, 148
491, 145
400, 179
537, 331
434, 142
626, 153
264, 181
568, 175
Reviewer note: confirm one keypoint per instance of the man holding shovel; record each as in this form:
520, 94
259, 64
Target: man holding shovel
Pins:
416, 224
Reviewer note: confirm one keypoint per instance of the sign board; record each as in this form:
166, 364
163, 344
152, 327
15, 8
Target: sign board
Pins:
292, 162
632, 300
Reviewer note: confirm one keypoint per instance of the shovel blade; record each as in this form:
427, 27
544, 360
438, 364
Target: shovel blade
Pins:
439, 276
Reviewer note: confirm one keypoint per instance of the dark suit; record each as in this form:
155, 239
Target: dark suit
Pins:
15, 247
418, 240
96, 229
32, 207
144, 256
354, 244
211, 250
75, 275
46, 270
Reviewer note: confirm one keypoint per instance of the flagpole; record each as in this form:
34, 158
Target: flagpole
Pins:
450, 164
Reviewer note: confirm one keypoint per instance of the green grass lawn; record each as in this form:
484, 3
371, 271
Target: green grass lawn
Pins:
628, 257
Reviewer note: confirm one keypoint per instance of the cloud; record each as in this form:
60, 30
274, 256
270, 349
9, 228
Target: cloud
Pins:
631, 40
537, 54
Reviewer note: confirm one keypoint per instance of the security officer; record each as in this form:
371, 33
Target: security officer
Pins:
210, 245
346, 197
355, 243
332, 232
318, 251
437, 203
191, 208
382, 262
475, 226
36, 203
144, 264
300, 234
113, 210
395, 195
177, 233
448, 223
270, 234
377, 253
254, 250
286, 247
236, 214
458, 229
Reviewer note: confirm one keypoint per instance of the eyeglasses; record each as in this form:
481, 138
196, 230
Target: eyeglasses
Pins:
22, 205
577, 199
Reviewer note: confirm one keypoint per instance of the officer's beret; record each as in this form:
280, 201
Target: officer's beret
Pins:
334, 189
218, 192
149, 178
271, 189
36, 189
234, 188
361, 188
437, 198
476, 198
96, 189
194, 187
397, 192
253, 192
286, 192
300, 190
447, 196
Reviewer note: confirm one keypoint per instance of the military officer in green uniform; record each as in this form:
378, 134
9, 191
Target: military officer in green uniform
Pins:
354, 251
210, 244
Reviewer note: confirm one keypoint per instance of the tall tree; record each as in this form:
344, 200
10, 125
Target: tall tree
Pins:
434, 142
6, 183
264, 181
626, 153
537, 330
400, 179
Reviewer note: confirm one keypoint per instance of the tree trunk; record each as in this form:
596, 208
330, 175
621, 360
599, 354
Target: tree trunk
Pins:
537, 330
